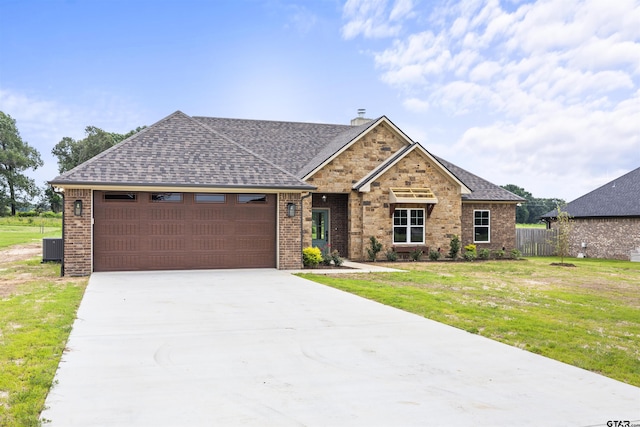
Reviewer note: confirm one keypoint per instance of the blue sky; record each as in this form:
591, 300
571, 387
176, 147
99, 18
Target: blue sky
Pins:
541, 94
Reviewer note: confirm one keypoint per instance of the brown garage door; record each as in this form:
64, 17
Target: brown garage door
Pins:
177, 231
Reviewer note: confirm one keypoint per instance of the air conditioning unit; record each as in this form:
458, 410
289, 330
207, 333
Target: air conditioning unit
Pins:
52, 249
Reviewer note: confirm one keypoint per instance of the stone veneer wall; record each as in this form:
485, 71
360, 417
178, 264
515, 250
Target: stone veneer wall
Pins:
339, 175
609, 238
77, 233
290, 253
502, 223
418, 171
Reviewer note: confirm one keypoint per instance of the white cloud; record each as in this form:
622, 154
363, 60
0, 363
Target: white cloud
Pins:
373, 19
546, 89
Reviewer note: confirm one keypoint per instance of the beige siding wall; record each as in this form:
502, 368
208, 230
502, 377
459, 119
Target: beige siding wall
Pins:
502, 223
77, 233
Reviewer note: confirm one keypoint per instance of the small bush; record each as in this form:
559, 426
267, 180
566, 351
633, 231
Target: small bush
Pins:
499, 254
375, 248
50, 214
484, 253
311, 257
470, 253
416, 254
391, 255
434, 255
515, 254
336, 258
454, 247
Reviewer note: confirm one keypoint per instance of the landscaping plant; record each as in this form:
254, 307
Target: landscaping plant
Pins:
311, 257
374, 249
454, 247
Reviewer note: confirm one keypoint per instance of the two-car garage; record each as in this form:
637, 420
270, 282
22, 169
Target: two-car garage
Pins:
181, 230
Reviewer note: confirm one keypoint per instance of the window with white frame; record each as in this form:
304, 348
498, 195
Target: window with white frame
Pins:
408, 226
481, 226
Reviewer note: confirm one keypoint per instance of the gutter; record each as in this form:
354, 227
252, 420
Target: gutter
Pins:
61, 194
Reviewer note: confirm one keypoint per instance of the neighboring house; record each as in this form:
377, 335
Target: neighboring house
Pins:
606, 221
202, 192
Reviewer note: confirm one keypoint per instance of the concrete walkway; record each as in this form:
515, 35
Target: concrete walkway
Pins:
266, 348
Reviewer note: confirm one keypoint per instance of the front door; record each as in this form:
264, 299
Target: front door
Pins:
320, 228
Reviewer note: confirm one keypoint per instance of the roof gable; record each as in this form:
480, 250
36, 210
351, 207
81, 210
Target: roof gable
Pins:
342, 142
364, 184
180, 151
617, 198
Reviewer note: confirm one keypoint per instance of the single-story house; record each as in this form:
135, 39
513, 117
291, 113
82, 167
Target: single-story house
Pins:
203, 192
605, 223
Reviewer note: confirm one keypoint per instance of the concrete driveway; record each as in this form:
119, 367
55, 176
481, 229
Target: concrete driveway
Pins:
263, 347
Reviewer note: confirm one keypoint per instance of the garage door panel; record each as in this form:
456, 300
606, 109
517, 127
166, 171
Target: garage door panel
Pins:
142, 234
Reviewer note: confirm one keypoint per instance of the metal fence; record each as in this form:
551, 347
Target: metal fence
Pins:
536, 241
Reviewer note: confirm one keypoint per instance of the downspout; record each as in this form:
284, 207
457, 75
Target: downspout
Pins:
302, 219
61, 194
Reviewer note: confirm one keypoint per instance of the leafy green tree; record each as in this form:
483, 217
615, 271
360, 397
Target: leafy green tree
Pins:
564, 226
16, 156
531, 211
71, 153
52, 200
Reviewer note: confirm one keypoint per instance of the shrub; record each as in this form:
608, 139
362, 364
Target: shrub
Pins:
416, 254
484, 253
391, 255
311, 257
336, 258
434, 255
454, 247
375, 248
470, 253
50, 214
499, 254
515, 254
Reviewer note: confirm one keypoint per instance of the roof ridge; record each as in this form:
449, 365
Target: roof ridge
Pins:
273, 121
119, 144
256, 155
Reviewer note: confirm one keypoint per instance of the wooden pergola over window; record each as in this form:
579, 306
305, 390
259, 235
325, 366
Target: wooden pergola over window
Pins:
412, 195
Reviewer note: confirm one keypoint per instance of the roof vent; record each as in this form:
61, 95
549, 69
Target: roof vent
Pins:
361, 119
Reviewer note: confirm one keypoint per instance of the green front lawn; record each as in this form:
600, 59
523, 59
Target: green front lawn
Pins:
587, 316
16, 230
37, 310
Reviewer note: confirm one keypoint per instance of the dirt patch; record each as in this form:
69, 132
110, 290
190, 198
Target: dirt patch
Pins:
14, 254
20, 252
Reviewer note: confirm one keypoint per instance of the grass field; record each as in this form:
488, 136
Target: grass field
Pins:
587, 316
15, 230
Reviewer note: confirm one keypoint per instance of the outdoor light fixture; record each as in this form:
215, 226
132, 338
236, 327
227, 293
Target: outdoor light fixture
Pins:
291, 210
77, 208
324, 198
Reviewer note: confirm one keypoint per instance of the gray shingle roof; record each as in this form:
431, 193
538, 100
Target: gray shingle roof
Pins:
180, 151
618, 198
481, 189
230, 153
292, 146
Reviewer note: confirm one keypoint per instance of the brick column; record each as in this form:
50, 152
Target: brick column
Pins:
77, 233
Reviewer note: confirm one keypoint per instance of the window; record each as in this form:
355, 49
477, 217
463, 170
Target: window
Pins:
119, 197
166, 197
252, 198
408, 226
481, 226
209, 198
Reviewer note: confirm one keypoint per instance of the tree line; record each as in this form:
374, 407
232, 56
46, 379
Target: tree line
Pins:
18, 191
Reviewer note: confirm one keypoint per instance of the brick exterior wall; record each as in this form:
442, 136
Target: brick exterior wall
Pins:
77, 233
609, 238
290, 253
502, 225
